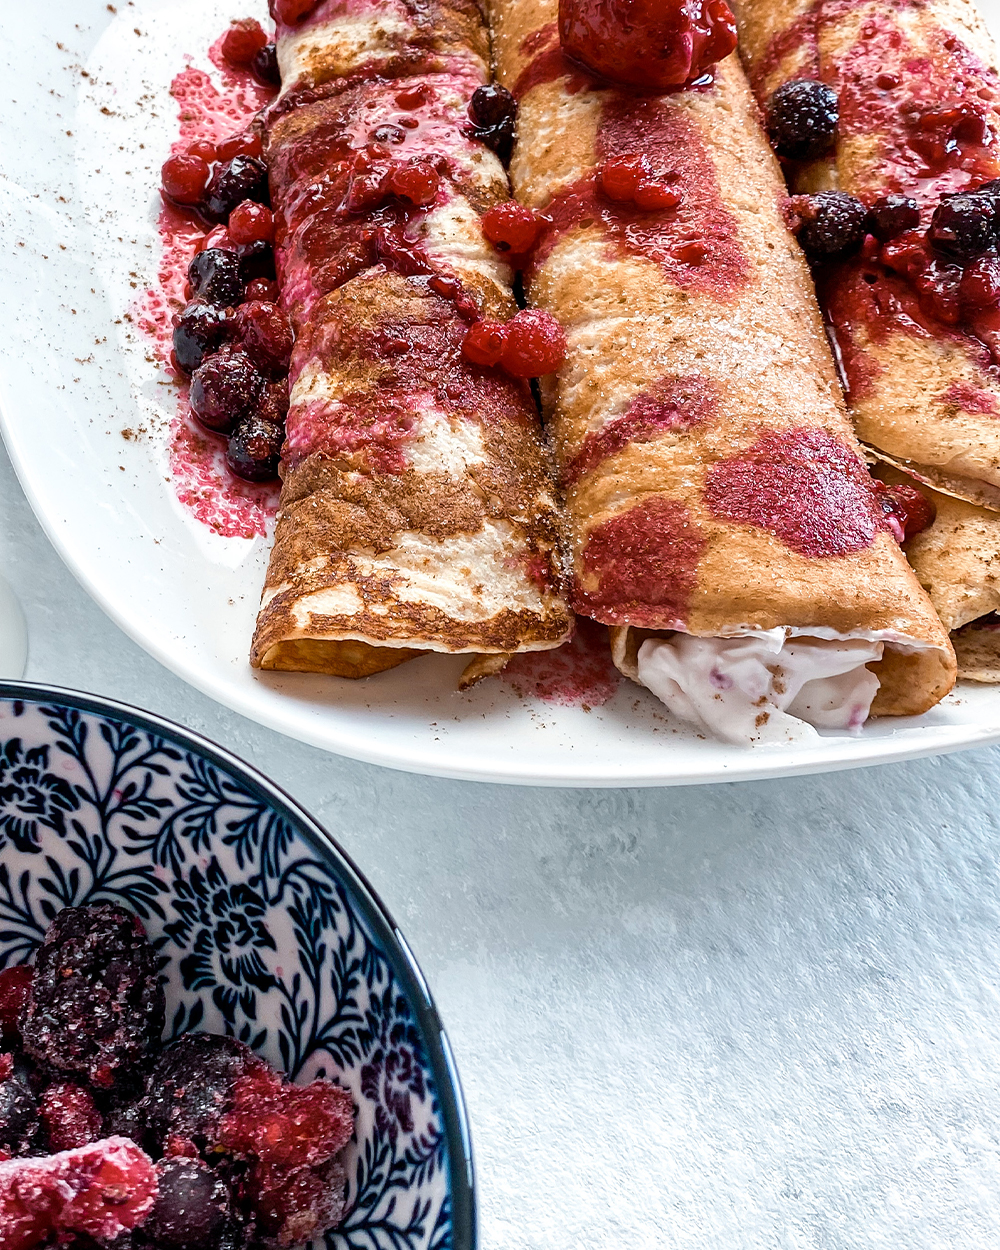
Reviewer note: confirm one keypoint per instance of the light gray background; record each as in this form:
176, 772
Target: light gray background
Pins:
741, 1016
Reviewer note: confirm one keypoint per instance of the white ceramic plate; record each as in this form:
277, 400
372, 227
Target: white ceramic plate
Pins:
87, 121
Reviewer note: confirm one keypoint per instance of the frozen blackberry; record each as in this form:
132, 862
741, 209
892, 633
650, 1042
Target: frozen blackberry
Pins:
190, 1088
892, 215
70, 1115
802, 118
964, 225
15, 984
215, 277
192, 1208
242, 178
96, 1003
20, 1121
832, 223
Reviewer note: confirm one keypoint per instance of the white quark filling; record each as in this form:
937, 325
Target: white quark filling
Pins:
765, 686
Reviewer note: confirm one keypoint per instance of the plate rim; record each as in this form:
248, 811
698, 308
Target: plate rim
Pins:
461, 1165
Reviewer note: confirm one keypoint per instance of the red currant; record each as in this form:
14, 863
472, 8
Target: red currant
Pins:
534, 344
511, 227
204, 148
620, 177
242, 41
246, 144
484, 342
417, 183
185, 178
261, 288
251, 223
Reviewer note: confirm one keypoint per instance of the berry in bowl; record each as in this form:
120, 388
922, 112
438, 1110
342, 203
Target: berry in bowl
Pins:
212, 1035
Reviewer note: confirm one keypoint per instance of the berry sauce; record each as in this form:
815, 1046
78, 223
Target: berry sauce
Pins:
970, 398
646, 560
200, 478
670, 404
805, 487
580, 673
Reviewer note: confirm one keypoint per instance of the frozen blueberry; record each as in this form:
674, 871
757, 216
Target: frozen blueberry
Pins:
96, 1003
494, 112
802, 118
198, 331
265, 65
832, 223
892, 215
192, 1208
964, 225
242, 178
256, 260
215, 277
224, 388
254, 450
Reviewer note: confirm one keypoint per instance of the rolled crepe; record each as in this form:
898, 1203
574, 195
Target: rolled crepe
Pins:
957, 561
918, 93
417, 509
720, 518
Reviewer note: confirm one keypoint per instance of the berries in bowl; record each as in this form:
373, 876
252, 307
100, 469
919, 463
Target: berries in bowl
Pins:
211, 1034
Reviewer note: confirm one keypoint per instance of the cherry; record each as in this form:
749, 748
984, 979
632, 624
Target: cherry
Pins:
291, 11
892, 215
655, 44
256, 260
483, 344
192, 1207
15, 985
214, 275
224, 388
247, 143
802, 117
265, 66
262, 288
534, 344
254, 450
250, 222
265, 333
907, 510
242, 178
242, 41
198, 331
418, 183
273, 403
185, 178
511, 227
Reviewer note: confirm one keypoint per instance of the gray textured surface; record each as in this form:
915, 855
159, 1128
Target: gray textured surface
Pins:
764, 1015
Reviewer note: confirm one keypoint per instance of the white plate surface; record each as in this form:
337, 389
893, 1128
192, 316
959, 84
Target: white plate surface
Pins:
87, 120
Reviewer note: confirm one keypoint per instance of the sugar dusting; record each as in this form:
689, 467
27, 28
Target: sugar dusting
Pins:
198, 471
580, 673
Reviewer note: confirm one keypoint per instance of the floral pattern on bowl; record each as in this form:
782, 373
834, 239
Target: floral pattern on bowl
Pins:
265, 929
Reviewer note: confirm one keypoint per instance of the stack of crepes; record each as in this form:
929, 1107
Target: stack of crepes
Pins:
919, 104
417, 511
721, 519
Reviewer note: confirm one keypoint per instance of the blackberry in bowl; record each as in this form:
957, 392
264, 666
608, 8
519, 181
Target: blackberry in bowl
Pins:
212, 1035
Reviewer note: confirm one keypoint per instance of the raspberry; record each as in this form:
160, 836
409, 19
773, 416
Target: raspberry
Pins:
198, 331
893, 215
650, 196
99, 1190
418, 183
511, 227
265, 66
254, 450
980, 283
304, 1205
251, 223
214, 275
287, 1126
96, 1004
185, 178
273, 403
224, 388
70, 1116
191, 1210
265, 333
189, 1088
242, 178
534, 344
483, 343
20, 1125
621, 176
246, 144
262, 288
964, 225
14, 986
831, 223
242, 41
801, 118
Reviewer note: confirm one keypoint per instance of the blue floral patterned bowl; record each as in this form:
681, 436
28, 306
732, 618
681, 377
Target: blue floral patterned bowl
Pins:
266, 929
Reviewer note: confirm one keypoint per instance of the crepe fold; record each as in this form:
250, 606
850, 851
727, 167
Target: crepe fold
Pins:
713, 484
919, 100
417, 510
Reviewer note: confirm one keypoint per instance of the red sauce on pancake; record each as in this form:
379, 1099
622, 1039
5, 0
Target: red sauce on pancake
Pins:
805, 487
549, 63
671, 404
971, 399
580, 673
646, 560
696, 243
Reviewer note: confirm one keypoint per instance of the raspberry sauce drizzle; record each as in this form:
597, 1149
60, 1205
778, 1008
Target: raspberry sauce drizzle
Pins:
201, 481
580, 673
